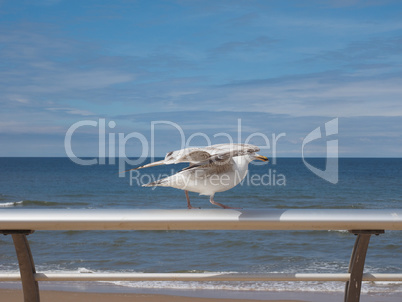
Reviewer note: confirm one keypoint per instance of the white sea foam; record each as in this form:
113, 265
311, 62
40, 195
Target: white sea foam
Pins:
260, 286
308, 287
339, 231
84, 270
381, 287
10, 204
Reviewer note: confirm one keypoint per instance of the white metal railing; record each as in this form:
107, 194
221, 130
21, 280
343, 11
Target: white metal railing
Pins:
364, 223
12, 277
196, 219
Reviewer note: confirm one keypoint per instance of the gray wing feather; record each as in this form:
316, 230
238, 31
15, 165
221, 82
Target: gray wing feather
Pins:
219, 154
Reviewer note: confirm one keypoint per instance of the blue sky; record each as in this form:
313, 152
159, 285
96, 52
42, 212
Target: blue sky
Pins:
278, 66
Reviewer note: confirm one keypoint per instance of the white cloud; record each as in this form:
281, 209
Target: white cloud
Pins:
73, 111
70, 80
29, 128
318, 94
18, 99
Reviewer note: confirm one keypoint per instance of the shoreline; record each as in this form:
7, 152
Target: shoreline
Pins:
64, 292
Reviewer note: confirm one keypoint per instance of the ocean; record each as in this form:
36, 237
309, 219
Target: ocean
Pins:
364, 183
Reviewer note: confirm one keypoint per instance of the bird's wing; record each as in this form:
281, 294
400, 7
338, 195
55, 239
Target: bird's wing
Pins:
216, 166
202, 155
222, 151
156, 163
190, 155
219, 154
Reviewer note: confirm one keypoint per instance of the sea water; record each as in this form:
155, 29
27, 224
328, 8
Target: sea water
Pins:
364, 183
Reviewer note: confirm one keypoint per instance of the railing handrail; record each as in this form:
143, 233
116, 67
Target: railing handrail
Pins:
201, 277
205, 219
361, 222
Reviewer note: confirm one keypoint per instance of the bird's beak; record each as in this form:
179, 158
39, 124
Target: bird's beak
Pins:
263, 158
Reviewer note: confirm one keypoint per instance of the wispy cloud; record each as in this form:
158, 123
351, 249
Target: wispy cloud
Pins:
381, 49
324, 95
73, 111
41, 67
258, 43
357, 135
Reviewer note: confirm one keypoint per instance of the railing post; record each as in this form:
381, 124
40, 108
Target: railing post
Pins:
30, 287
356, 264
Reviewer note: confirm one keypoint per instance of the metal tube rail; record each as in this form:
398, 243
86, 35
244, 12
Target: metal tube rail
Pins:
363, 223
195, 219
12, 277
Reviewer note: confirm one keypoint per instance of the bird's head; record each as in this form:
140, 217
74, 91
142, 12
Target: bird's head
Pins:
256, 156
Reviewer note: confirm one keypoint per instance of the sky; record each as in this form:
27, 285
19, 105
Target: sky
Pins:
147, 77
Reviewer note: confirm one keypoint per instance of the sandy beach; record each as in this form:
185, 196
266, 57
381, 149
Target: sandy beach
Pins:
12, 295
16, 295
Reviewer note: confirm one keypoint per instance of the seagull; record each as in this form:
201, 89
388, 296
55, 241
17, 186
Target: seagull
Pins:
212, 169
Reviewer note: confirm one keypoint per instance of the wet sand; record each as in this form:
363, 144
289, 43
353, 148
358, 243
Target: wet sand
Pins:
13, 295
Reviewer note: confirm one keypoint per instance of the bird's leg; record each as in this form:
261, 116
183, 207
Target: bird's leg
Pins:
211, 199
188, 201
